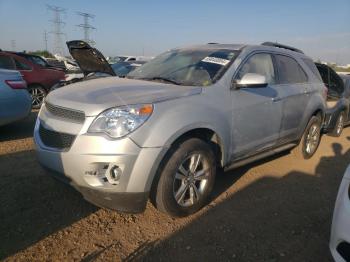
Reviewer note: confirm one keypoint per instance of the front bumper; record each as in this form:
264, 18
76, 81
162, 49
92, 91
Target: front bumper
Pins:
88, 165
340, 233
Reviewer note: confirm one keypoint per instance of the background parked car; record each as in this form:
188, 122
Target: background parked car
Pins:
338, 100
340, 234
38, 74
121, 69
93, 64
15, 101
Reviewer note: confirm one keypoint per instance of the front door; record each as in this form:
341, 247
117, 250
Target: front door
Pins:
256, 112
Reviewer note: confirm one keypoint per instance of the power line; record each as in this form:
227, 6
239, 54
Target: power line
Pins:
87, 28
57, 28
45, 40
13, 45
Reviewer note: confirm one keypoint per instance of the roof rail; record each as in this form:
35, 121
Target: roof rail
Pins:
282, 46
212, 43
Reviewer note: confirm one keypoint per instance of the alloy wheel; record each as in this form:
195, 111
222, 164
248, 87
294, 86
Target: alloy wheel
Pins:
312, 139
340, 124
38, 96
191, 180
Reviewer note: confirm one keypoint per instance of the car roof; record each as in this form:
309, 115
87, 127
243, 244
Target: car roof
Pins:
238, 47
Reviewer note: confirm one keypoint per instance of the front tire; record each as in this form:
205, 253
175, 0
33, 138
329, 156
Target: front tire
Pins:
310, 140
186, 179
38, 94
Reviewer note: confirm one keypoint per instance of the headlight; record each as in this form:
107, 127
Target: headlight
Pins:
120, 121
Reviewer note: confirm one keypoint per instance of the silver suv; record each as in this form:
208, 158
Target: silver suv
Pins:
164, 130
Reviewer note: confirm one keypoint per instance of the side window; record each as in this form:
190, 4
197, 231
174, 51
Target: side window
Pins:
259, 64
324, 74
290, 72
22, 66
336, 84
6, 62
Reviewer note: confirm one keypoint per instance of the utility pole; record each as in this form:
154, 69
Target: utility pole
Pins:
13, 45
57, 28
45, 40
87, 28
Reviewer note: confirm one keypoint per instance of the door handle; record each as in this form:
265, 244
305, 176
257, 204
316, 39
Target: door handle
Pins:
276, 99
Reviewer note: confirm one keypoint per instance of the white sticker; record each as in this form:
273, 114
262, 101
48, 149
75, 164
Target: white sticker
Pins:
216, 60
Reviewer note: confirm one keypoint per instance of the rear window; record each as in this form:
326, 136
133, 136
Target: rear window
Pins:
311, 65
6, 62
290, 72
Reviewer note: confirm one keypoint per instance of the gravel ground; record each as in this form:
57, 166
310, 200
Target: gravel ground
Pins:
279, 209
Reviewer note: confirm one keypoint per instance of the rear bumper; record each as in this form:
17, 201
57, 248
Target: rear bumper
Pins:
15, 108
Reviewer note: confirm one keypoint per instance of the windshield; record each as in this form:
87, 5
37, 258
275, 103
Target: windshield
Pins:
187, 67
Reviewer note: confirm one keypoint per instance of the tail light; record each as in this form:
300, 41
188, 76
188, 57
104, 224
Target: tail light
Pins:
16, 84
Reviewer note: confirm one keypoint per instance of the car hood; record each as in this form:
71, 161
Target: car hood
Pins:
89, 59
97, 95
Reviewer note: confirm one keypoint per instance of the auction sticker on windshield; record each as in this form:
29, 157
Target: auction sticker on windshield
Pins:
216, 60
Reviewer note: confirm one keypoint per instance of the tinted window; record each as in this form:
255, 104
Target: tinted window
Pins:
6, 62
22, 66
259, 64
122, 69
37, 60
290, 72
331, 79
311, 65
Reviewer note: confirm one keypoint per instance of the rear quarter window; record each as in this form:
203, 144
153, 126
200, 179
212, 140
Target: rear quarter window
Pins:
6, 62
311, 65
289, 71
21, 66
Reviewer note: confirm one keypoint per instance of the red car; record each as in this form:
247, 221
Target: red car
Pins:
38, 74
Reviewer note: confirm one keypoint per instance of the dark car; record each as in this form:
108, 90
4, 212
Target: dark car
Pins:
338, 100
38, 74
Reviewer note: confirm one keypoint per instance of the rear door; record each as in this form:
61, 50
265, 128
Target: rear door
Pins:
24, 68
293, 89
6, 62
256, 116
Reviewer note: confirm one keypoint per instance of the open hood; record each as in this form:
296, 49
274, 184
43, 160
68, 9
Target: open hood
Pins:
89, 59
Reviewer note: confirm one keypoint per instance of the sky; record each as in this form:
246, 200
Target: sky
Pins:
125, 27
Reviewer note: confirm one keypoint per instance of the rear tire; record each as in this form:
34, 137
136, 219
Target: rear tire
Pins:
38, 94
310, 140
186, 179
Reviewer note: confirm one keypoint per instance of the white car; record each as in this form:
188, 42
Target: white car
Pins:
340, 234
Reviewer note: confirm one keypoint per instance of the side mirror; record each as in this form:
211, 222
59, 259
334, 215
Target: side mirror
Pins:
250, 80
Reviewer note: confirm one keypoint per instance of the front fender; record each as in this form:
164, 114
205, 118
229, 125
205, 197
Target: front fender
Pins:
171, 119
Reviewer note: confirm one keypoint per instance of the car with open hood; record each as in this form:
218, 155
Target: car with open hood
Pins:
164, 130
338, 100
93, 64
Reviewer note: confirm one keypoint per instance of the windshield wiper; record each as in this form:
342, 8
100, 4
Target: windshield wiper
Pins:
162, 79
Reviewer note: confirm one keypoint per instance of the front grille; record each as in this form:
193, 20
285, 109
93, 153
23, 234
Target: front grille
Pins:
54, 139
66, 113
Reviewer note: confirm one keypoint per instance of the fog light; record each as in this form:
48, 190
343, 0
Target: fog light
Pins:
115, 173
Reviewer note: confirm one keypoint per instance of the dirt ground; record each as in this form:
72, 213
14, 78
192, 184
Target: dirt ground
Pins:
279, 209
